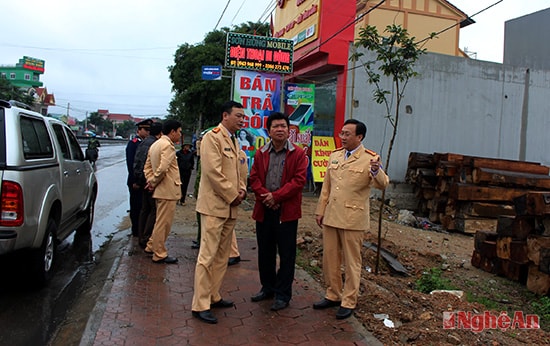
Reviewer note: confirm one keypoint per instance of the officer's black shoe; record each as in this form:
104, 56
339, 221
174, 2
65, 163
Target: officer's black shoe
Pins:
325, 303
222, 304
205, 316
343, 313
167, 260
233, 260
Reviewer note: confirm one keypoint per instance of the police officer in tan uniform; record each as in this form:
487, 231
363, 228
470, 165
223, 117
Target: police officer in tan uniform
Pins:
222, 189
343, 213
163, 180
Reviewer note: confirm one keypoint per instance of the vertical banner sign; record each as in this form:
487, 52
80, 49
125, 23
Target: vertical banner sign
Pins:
260, 95
322, 148
299, 106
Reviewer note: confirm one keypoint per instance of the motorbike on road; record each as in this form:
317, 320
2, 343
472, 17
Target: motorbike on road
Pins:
92, 152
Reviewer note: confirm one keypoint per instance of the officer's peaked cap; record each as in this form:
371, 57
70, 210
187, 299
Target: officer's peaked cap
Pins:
145, 123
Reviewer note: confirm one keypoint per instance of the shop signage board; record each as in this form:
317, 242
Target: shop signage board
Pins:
259, 53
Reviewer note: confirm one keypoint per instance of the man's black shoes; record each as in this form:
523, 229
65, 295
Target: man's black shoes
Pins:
279, 305
167, 260
343, 313
233, 260
205, 316
325, 303
222, 304
261, 296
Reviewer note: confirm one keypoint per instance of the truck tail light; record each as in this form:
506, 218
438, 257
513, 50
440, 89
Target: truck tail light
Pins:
11, 212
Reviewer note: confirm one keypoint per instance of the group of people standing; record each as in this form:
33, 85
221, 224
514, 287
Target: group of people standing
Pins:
277, 178
154, 183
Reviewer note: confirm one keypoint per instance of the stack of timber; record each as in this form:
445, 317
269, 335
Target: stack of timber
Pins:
468, 193
520, 247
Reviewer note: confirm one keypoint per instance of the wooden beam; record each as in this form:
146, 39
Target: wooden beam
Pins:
519, 227
508, 178
518, 251
482, 236
537, 281
514, 271
510, 165
503, 247
472, 225
486, 209
466, 192
533, 203
534, 244
420, 160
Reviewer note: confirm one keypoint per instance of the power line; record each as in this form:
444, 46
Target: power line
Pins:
268, 11
380, 3
95, 51
236, 13
463, 21
219, 20
441, 31
342, 29
83, 49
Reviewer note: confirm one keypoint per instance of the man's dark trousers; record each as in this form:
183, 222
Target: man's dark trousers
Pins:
272, 237
147, 218
135, 208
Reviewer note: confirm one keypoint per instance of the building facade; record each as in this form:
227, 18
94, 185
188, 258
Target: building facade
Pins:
25, 74
521, 48
323, 31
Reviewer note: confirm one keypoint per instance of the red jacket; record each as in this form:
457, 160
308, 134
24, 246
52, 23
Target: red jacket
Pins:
289, 195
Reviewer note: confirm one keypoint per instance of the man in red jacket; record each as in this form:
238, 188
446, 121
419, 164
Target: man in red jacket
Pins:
277, 177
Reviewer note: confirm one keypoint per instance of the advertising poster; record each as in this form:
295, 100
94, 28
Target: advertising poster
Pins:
260, 95
320, 153
299, 106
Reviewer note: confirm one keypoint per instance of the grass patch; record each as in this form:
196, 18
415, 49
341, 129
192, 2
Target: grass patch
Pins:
304, 263
488, 303
541, 307
432, 280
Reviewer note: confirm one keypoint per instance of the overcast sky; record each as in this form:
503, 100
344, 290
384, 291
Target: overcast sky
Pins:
114, 54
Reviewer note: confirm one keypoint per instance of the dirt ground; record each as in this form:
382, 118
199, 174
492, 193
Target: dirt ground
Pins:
417, 317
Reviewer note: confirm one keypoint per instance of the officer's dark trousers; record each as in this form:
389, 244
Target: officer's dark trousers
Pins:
135, 209
275, 237
147, 218
185, 177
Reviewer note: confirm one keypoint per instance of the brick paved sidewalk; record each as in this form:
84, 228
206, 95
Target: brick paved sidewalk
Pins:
150, 304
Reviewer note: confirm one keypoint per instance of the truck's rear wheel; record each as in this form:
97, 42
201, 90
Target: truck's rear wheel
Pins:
44, 258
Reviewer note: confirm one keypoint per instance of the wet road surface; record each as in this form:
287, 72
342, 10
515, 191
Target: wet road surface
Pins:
29, 315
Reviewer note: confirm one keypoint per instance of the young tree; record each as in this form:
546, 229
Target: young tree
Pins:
9, 92
396, 54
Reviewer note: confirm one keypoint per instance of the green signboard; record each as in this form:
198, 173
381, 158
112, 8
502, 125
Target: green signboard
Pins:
259, 53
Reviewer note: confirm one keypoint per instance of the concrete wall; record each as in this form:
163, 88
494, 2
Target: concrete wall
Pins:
458, 105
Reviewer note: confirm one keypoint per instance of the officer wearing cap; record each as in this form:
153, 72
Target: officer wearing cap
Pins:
147, 215
136, 191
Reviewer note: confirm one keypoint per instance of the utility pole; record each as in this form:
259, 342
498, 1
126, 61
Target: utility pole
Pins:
86, 122
68, 106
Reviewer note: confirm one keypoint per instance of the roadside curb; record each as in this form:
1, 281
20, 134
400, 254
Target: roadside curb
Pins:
96, 314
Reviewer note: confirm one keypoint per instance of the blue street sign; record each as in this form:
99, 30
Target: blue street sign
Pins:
212, 72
